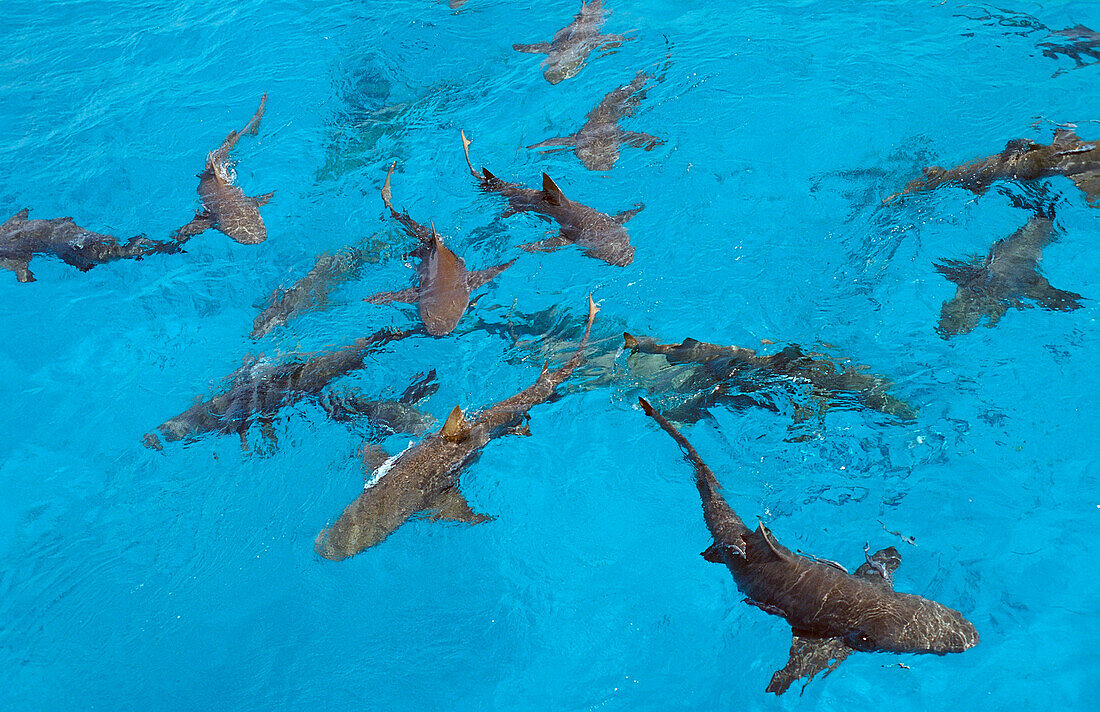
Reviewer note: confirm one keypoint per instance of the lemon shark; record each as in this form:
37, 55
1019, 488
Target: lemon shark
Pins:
225, 206
444, 288
831, 612
599, 235
568, 51
1022, 160
425, 477
21, 239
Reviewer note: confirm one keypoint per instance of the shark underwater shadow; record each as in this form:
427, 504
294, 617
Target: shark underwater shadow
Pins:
597, 142
599, 235
568, 51
443, 293
259, 389
831, 612
225, 206
1006, 277
736, 375
21, 239
1022, 160
424, 478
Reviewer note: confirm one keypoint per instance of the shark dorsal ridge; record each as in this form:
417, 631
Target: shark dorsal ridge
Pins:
457, 428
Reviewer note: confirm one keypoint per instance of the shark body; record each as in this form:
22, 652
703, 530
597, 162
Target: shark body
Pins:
568, 52
831, 612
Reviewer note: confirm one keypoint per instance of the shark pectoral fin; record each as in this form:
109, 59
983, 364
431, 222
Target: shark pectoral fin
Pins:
452, 506
1052, 298
880, 567
457, 428
267, 430
1090, 184
405, 296
481, 277
641, 140
716, 553
548, 245
625, 216
809, 656
560, 142
1065, 137
536, 48
202, 222
21, 267
373, 457
262, 200
551, 193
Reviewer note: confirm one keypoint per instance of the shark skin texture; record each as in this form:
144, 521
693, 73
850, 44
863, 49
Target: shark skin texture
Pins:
443, 293
259, 389
1022, 160
225, 206
567, 53
425, 477
599, 235
831, 613
597, 142
21, 239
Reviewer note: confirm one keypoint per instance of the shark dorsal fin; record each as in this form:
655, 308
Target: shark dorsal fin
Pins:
629, 342
551, 193
488, 176
880, 567
14, 220
770, 544
457, 428
690, 343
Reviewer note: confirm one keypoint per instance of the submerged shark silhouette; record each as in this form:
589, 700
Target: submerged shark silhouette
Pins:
831, 612
569, 50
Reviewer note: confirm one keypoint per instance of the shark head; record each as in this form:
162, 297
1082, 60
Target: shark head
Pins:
912, 624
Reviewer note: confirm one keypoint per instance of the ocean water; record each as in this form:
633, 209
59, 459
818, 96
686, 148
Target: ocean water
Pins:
186, 579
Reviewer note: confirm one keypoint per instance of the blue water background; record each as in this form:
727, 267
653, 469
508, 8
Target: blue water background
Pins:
187, 579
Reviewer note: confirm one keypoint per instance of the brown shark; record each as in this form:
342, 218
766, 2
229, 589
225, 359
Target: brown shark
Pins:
258, 390
1008, 275
599, 235
424, 478
1022, 160
569, 50
225, 206
311, 291
597, 142
831, 612
731, 370
21, 239
443, 293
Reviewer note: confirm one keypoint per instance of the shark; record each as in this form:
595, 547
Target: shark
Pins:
832, 613
1005, 277
1022, 160
225, 206
425, 477
311, 291
597, 142
1073, 42
599, 235
21, 239
261, 387
444, 288
735, 372
568, 52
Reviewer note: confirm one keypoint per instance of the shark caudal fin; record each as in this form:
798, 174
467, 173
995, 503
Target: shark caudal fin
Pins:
387, 194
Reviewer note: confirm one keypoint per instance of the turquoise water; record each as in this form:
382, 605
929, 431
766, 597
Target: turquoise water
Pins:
187, 579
